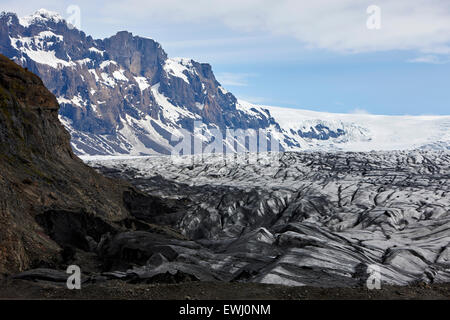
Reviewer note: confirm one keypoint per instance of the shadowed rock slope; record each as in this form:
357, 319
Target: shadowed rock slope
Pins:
49, 200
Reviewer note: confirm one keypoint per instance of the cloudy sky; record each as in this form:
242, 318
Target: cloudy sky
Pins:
317, 55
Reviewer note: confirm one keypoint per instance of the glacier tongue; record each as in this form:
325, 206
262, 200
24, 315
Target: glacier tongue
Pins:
320, 219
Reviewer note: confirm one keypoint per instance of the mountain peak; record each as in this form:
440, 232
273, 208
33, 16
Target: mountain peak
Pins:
41, 16
124, 95
124, 33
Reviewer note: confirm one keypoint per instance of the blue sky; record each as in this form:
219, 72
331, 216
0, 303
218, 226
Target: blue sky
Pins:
313, 55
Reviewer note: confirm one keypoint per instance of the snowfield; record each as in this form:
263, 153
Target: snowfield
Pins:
366, 132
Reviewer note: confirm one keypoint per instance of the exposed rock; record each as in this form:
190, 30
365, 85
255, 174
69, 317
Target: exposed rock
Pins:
156, 260
43, 274
49, 199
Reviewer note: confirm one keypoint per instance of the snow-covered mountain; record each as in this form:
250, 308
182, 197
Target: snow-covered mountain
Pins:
361, 132
124, 95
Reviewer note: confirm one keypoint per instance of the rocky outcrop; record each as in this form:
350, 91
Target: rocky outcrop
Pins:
49, 199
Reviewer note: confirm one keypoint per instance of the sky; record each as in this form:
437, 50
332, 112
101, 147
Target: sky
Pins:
346, 56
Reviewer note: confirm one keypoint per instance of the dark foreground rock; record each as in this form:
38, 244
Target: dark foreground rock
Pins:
52, 205
117, 289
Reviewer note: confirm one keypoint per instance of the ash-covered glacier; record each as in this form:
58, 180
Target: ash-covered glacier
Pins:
320, 219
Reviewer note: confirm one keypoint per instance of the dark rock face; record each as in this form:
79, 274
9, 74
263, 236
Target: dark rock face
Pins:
49, 199
320, 132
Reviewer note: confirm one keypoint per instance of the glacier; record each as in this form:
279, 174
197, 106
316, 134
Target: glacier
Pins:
298, 218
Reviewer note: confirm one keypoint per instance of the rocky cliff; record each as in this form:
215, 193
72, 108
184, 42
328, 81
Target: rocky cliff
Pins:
122, 94
49, 199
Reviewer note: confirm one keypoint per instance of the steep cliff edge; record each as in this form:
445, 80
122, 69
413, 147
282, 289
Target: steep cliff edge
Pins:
47, 195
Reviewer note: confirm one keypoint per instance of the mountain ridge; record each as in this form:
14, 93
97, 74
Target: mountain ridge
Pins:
125, 95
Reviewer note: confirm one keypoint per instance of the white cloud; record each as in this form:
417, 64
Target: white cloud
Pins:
422, 25
432, 59
217, 42
252, 99
234, 79
359, 111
